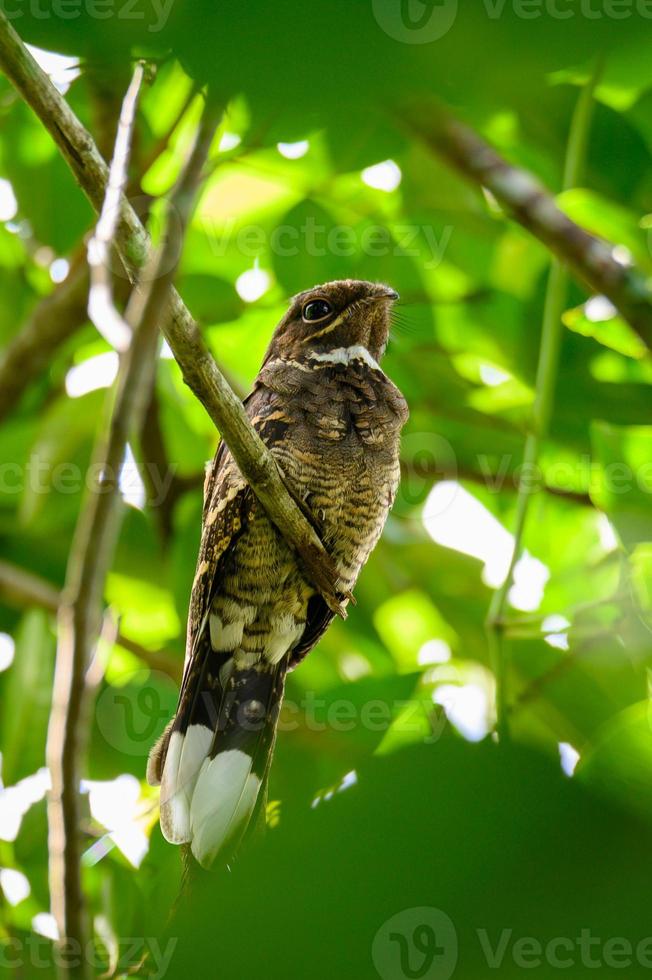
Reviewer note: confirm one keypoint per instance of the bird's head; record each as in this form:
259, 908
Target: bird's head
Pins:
340, 314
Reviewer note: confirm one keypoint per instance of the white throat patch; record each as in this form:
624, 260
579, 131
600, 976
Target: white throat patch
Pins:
344, 355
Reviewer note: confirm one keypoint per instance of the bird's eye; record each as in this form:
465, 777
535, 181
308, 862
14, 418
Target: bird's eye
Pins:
316, 309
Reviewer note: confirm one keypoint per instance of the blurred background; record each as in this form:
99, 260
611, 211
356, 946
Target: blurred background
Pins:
388, 794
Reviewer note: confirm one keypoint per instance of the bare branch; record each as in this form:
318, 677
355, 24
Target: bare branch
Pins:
52, 321
520, 194
197, 365
80, 617
22, 589
101, 308
507, 481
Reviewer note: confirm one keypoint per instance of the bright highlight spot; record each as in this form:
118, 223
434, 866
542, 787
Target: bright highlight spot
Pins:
16, 800
622, 255
228, 141
608, 538
348, 780
45, 925
385, 176
555, 623
7, 650
569, 757
59, 270
166, 352
434, 652
8, 202
252, 284
97, 372
466, 707
132, 487
116, 805
530, 578
353, 666
14, 884
61, 68
455, 519
555, 627
292, 151
492, 376
599, 308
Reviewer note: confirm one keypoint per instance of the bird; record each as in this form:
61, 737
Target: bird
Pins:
332, 420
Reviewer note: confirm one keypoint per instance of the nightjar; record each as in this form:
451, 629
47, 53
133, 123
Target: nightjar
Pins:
332, 420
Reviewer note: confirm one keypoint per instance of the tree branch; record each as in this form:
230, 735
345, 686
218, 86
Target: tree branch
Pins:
491, 481
80, 615
101, 308
21, 589
52, 321
199, 370
528, 202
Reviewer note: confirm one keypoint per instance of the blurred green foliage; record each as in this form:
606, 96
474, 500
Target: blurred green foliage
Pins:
496, 839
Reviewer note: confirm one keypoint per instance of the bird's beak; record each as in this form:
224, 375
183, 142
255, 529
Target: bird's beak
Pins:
386, 292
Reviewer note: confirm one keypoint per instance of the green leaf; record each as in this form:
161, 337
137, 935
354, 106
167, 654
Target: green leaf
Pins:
613, 332
623, 485
26, 695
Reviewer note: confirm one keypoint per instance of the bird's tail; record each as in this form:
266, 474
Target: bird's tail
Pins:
213, 759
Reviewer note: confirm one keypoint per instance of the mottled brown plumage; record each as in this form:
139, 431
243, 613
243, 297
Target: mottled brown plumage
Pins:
332, 419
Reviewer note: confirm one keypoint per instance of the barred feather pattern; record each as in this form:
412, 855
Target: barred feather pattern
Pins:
333, 424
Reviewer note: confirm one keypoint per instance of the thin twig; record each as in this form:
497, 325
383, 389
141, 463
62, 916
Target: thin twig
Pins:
80, 617
101, 307
495, 482
198, 367
22, 589
546, 380
589, 258
53, 320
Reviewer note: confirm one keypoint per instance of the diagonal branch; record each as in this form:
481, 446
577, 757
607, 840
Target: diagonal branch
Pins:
197, 365
528, 202
21, 588
52, 321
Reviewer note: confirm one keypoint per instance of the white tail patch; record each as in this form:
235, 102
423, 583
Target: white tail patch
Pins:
185, 755
222, 803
